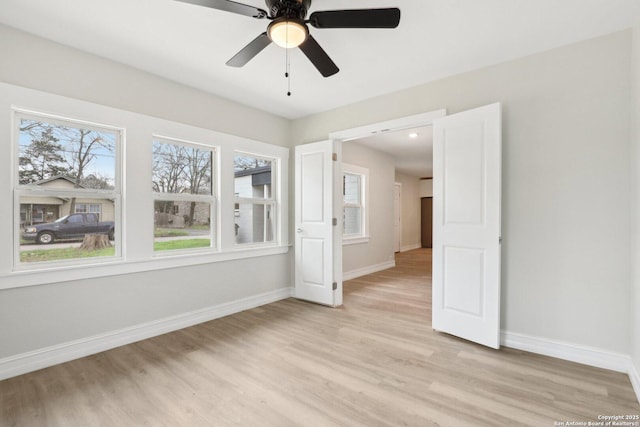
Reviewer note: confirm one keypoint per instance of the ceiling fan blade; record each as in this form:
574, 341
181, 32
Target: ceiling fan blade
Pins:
249, 51
319, 57
230, 6
357, 18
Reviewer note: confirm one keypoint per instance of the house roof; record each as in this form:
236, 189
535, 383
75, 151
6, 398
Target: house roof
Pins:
57, 177
254, 171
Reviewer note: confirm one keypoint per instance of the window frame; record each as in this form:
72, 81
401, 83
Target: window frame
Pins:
272, 201
30, 191
136, 254
363, 173
212, 199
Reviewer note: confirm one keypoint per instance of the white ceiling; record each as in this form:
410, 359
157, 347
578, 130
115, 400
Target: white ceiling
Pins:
413, 156
435, 39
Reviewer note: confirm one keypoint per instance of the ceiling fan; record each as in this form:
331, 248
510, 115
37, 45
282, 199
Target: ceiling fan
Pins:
288, 27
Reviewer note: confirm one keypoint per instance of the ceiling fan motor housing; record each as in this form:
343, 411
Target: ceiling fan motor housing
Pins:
292, 9
288, 27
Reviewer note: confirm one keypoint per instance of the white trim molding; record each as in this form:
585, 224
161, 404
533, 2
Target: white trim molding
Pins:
567, 351
65, 352
634, 376
348, 275
406, 248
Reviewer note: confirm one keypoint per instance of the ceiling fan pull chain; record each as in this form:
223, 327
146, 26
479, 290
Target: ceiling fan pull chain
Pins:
288, 74
288, 66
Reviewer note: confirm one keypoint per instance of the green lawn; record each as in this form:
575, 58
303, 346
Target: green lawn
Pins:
40, 255
169, 232
171, 245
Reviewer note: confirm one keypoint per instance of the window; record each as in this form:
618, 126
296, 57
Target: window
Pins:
69, 166
67, 186
255, 204
88, 207
184, 200
355, 192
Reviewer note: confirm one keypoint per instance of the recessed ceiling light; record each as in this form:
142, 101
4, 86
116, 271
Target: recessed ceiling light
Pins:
413, 135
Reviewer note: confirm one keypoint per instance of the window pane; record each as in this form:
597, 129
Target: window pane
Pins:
89, 207
352, 220
352, 188
180, 224
48, 232
254, 223
253, 177
181, 169
66, 156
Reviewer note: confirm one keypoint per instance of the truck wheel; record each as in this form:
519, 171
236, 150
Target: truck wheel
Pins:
111, 235
45, 238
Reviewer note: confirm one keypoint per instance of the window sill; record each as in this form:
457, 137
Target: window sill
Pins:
354, 240
60, 273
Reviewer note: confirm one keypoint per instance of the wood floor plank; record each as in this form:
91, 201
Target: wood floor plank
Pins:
373, 362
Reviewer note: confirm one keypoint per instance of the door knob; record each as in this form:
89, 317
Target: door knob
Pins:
299, 230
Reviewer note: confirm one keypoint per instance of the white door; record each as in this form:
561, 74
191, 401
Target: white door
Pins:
314, 229
397, 212
466, 224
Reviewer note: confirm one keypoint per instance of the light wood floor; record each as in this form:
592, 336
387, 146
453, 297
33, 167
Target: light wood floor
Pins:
373, 362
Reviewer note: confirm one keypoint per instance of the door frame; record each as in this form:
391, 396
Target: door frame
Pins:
338, 137
397, 217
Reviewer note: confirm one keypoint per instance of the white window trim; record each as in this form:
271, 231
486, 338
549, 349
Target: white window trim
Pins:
136, 231
273, 200
27, 190
212, 199
363, 236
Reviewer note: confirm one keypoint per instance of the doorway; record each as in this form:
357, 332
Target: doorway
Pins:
466, 162
394, 189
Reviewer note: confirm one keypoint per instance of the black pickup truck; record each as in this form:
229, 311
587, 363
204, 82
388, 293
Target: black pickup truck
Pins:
73, 226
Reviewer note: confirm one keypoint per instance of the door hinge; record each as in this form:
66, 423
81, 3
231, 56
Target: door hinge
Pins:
334, 221
334, 157
335, 285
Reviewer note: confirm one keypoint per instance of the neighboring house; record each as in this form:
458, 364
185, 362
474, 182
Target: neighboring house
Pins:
180, 213
37, 210
251, 218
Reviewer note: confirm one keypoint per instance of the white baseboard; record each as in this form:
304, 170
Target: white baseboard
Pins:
572, 352
634, 376
410, 247
49, 356
348, 275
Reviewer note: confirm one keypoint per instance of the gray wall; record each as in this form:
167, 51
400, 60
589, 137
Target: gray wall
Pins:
34, 317
379, 249
566, 263
37, 63
566, 188
38, 316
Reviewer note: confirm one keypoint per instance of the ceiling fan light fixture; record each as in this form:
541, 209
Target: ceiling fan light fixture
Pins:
288, 33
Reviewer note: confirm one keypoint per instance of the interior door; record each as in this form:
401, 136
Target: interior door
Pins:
466, 232
314, 227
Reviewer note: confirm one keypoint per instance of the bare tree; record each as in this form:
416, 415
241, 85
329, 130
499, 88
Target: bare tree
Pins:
198, 175
181, 169
72, 149
242, 163
168, 168
82, 145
